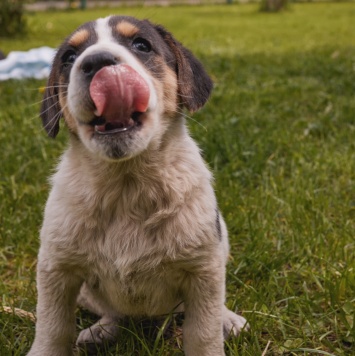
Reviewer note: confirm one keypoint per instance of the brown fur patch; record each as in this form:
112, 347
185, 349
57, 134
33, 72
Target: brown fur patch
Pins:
79, 37
69, 120
170, 91
126, 29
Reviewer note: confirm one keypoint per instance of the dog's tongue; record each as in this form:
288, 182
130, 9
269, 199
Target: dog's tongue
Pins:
117, 92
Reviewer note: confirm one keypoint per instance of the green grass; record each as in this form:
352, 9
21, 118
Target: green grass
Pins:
278, 133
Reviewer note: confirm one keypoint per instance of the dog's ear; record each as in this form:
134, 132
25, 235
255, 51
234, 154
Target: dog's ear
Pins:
194, 84
50, 110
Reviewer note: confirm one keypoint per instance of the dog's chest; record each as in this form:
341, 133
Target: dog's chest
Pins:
131, 239
134, 271
143, 287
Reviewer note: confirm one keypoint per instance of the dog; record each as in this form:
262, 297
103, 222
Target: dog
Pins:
131, 226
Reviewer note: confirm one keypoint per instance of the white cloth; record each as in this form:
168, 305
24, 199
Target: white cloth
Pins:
35, 63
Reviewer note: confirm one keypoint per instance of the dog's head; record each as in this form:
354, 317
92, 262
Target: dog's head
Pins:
118, 82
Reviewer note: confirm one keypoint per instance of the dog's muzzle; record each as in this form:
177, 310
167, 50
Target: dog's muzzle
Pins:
119, 93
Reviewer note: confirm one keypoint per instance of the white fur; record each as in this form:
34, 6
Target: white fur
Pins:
134, 237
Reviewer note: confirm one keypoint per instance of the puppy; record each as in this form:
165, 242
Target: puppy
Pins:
131, 225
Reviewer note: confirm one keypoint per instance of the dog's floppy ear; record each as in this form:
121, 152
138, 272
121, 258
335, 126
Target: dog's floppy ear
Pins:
50, 110
194, 84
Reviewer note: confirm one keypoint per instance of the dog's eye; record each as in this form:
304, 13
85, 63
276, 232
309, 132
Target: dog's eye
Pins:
68, 58
142, 45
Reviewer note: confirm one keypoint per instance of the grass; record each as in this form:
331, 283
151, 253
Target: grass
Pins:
278, 133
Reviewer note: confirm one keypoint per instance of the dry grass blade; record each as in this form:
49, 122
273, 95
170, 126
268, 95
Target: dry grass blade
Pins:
266, 348
19, 312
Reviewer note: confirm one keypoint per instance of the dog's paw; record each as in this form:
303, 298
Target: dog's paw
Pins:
233, 323
93, 338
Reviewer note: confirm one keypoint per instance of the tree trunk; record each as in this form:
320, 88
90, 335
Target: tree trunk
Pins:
273, 5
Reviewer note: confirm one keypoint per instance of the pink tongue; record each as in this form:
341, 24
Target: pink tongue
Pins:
117, 92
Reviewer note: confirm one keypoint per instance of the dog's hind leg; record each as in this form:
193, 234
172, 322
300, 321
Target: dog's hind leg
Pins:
102, 332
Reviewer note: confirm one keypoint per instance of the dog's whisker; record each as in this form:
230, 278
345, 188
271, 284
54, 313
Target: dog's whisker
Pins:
157, 66
56, 86
47, 109
64, 93
49, 97
38, 89
37, 102
44, 100
191, 119
185, 96
43, 112
50, 123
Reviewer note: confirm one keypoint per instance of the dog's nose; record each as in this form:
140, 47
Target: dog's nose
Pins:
94, 62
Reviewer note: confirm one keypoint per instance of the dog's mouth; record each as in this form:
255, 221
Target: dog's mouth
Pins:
120, 96
104, 127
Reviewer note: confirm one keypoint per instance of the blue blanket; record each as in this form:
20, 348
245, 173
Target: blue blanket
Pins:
35, 63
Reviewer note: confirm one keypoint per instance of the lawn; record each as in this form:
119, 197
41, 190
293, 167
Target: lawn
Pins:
278, 134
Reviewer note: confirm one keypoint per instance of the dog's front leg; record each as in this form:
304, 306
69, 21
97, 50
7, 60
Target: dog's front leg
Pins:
55, 328
204, 303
